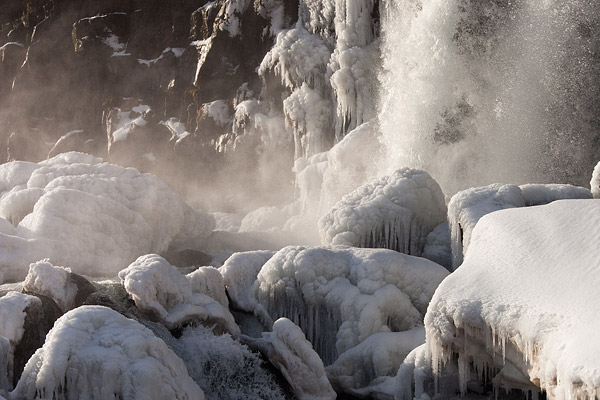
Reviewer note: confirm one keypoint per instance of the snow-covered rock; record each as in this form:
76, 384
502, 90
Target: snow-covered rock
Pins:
340, 295
395, 212
468, 206
524, 303
96, 353
287, 348
91, 216
159, 289
46, 279
209, 281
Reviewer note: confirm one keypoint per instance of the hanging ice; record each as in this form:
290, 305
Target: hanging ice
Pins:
91, 216
94, 352
395, 212
523, 305
339, 295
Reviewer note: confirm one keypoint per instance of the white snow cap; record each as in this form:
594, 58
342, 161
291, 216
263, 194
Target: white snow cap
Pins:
94, 352
46, 279
158, 287
287, 348
526, 301
395, 212
340, 295
468, 206
94, 217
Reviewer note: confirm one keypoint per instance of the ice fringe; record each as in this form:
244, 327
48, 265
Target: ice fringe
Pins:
520, 312
339, 296
94, 352
395, 212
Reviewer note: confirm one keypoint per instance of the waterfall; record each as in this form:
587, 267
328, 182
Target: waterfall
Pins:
497, 91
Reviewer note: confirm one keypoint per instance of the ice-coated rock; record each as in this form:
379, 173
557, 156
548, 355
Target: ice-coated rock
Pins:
339, 296
96, 353
287, 348
395, 212
163, 292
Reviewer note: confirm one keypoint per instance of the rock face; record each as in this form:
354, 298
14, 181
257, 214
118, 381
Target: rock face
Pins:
172, 87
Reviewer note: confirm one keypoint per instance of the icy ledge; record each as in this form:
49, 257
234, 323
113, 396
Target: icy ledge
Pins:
523, 305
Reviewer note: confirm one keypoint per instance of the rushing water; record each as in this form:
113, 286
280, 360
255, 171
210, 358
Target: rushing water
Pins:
477, 92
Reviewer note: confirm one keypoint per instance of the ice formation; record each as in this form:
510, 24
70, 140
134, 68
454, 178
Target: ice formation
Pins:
287, 348
160, 289
340, 295
46, 279
522, 308
12, 321
209, 281
94, 352
369, 369
395, 212
595, 182
91, 216
239, 273
468, 206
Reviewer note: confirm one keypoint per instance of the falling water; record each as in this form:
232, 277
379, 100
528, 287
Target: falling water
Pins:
478, 92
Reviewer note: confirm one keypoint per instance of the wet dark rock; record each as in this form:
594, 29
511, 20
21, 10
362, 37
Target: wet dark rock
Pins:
188, 258
39, 320
84, 289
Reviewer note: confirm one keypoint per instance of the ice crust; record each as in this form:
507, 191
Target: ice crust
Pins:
468, 206
340, 295
523, 305
90, 216
94, 352
159, 288
395, 212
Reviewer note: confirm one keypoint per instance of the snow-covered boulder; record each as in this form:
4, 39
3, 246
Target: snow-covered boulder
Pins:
94, 217
395, 212
209, 281
163, 292
68, 290
468, 206
340, 295
94, 352
524, 302
287, 348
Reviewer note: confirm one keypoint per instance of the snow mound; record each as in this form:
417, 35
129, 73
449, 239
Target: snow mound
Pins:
395, 212
94, 352
468, 206
209, 281
94, 217
159, 289
287, 348
340, 296
524, 302
46, 279
369, 368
